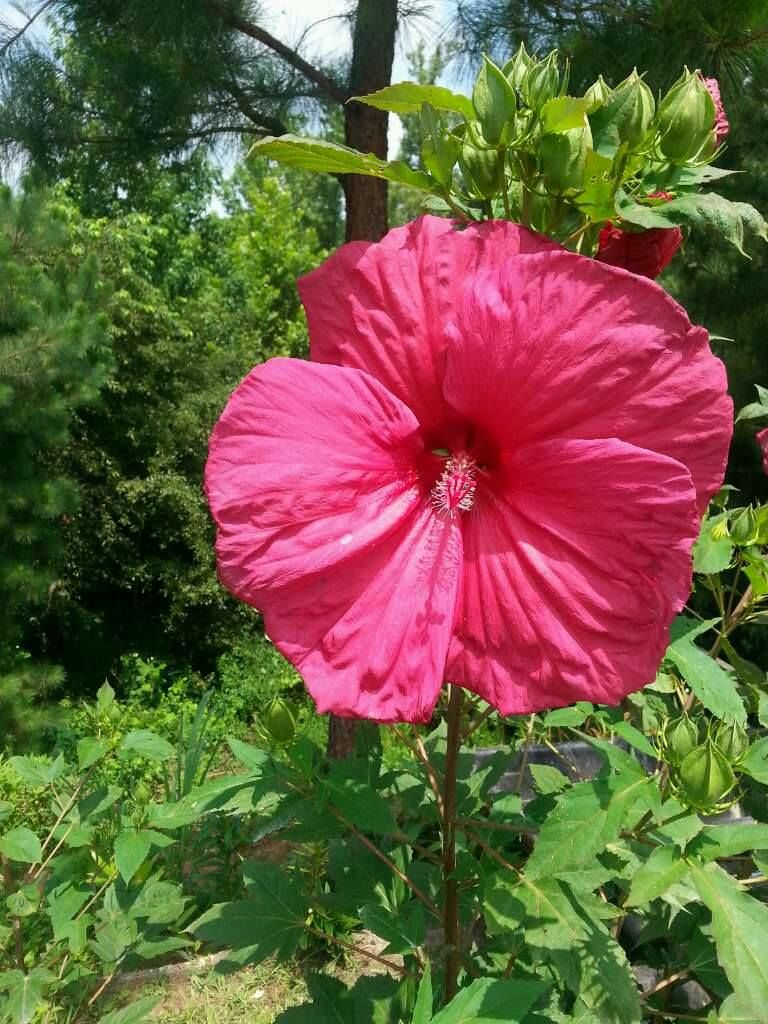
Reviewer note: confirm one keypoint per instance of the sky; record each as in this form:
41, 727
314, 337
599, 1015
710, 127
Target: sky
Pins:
326, 34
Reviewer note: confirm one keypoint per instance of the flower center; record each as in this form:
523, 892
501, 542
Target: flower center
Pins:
454, 492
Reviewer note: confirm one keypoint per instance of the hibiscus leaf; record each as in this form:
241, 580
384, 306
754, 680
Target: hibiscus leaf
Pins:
422, 1012
489, 1000
706, 210
331, 158
569, 933
270, 922
21, 844
357, 800
715, 688
740, 929
663, 868
407, 98
131, 850
713, 550
755, 763
133, 1013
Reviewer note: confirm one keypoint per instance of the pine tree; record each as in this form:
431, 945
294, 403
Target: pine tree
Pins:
128, 80
53, 359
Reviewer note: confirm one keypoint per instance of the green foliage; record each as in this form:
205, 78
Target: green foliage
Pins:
54, 357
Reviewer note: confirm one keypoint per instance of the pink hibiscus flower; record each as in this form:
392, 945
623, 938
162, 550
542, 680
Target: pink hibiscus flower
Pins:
762, 440
491, 473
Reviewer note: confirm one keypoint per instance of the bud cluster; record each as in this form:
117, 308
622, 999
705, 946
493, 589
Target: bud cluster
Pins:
563, 164
703, 761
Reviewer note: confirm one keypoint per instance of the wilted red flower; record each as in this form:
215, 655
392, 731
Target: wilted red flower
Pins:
491, 473
722, 127
642, 252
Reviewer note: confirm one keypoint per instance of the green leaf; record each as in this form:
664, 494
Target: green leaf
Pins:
145, 743
21, 844
715, 688
568, 932
733, 1011
402, 930
159, 902
633, 737
547, 779
706, 210
586, 818
563, 113
407, 98
36, 771
90, 750
131, 850
270, 922
494, 101
565, 717
357, 801
330, 1003
755, 762
132, 1013
740, 929
489, 999
331, 158
662, 869
712, 553
597, 198
716, 841
26, 993
422, 1011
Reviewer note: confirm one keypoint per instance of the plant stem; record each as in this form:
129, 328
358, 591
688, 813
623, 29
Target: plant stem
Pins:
18, 935
450, 883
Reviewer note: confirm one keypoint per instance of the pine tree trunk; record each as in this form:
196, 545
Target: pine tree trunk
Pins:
365, 128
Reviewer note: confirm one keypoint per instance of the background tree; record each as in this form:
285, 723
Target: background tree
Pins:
54, 356
123, 82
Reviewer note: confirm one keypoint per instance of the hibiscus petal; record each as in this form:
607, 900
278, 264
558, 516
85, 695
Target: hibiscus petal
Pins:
370, 639
309, 466
557, 345
383, 307
573, 572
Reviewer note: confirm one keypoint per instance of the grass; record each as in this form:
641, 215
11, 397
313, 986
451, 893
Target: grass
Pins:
255, 995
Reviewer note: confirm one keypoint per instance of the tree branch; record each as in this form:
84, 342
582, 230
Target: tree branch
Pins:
273, 125
329, 88
25, 28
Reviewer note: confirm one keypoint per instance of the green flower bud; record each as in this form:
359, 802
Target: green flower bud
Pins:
280, 721
630, 110
516, 68
706, 776
142, 794
598, 93
743, 527
732, 740
482, 170
681, 735
563, 156
494, 101
541, 82
686, 119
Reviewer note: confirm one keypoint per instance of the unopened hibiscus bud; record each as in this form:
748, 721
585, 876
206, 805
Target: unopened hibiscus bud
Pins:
722, 127
515, 69
541, 82
681, 735
742, 529
494, 101
686, 119
706, 776
598, 93
563, 156
732, 740
482, 170
642, 252
280, 721
630, 110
